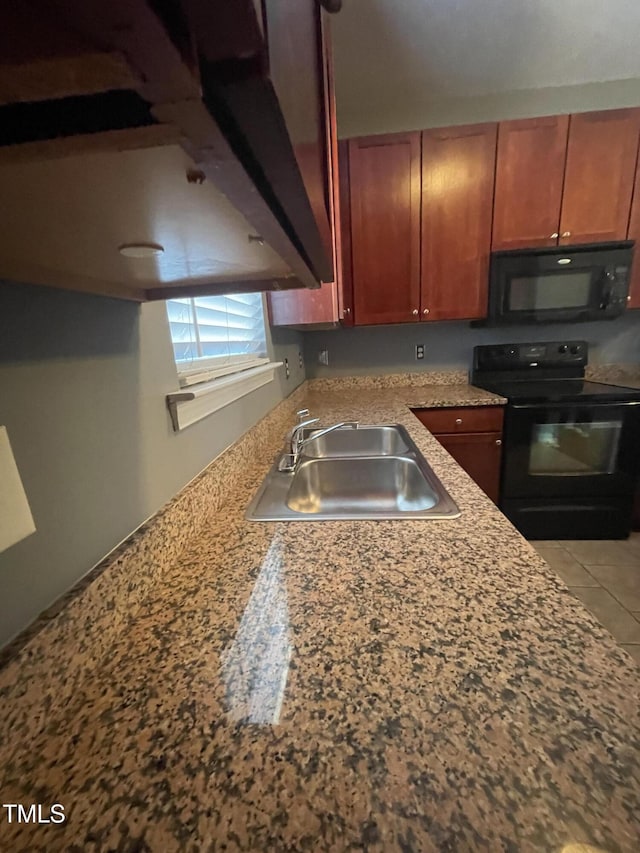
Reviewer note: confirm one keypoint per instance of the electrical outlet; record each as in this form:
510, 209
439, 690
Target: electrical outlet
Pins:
300, 359
323, 356
419, 352
287, 371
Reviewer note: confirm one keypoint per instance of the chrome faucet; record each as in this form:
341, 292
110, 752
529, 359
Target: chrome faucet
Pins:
295, 442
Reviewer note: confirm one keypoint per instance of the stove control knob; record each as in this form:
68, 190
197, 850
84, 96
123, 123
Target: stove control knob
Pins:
562, 348
574, 350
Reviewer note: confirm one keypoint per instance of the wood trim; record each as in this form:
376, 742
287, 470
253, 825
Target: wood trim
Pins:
151, 136
175, 291
207, 146
132, 28
345, 293
227, 30
31, 273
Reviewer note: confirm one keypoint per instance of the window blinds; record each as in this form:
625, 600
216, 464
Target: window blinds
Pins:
215, 335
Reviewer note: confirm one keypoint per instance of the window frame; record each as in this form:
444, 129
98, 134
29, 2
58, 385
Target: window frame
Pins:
207, 386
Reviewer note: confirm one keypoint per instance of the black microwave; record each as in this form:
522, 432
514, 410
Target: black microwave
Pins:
563, 284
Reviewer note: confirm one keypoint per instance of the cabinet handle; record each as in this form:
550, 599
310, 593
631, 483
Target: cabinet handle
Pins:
458, 421
415, 312
498, 441
566, 233
554, 235
425, 311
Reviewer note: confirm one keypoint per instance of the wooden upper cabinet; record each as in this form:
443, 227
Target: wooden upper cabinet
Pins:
385, 227
601, 162
321, 307
529, 177
207, 116
457, 196
634, 234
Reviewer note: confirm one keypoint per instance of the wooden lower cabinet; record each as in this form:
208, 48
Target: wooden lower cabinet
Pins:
473, 436
480, 454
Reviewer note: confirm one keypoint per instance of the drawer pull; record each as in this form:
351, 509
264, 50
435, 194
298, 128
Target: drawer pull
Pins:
458, 421
498, 441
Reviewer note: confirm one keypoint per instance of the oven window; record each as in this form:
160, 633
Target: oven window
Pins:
548, 292
579, 449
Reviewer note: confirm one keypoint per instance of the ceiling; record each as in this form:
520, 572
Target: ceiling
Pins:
391, 52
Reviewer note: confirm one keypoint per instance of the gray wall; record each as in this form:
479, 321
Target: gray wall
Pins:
83, 381
411, 108
391, 349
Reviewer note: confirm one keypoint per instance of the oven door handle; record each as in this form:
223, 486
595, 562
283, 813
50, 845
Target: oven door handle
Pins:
564, 404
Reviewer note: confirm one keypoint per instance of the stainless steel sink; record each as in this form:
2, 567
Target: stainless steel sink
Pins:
367, 440
380, 474
383, 485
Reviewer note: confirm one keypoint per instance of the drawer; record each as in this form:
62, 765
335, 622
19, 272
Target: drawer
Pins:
462, 419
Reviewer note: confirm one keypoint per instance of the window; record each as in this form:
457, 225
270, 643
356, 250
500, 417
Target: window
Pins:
220, 351
216, 335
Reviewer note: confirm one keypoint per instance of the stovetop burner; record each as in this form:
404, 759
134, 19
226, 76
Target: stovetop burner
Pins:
558, 390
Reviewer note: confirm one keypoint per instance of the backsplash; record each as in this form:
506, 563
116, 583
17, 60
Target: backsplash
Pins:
370, 350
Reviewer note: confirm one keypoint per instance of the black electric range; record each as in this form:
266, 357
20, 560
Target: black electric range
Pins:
571, 447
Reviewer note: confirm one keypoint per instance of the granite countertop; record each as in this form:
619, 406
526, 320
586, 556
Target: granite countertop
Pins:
373, 686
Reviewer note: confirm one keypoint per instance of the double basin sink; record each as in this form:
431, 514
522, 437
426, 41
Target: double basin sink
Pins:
371, 472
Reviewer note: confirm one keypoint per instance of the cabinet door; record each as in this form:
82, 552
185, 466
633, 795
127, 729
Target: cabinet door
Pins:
479, 454
601, 162
529, 175
634, 234
458, 168
385, 227
301, 307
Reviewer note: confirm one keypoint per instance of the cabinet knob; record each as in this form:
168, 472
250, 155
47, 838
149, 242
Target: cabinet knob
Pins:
415, 312
347, 310
554, 235
458, 421
498, 441
566, 233
425, 311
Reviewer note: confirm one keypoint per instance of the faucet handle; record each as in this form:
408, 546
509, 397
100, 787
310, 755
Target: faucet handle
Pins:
302, 414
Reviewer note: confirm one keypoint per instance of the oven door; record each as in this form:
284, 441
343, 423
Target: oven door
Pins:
571, 450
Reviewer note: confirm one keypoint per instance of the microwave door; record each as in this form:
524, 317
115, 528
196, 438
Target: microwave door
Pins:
549, 295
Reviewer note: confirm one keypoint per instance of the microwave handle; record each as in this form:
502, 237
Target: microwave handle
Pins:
608, 283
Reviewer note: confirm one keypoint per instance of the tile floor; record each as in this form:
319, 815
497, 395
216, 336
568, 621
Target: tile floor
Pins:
605, 575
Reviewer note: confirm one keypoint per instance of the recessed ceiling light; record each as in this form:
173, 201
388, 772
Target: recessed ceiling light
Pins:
140, 250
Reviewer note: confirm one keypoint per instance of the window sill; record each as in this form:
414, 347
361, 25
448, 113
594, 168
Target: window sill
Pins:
187, 407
